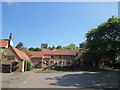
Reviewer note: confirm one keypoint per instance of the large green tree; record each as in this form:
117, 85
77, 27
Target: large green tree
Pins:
34, 49
83, 45
59, 47
70, 46
104, 41
20, 46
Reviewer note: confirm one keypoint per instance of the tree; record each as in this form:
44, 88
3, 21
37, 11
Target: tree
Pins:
104, 41
1, 50
31, 49
59, 47
29, 65
37, 49
83, 45
71, 46
49, 47
34, 49
20, 46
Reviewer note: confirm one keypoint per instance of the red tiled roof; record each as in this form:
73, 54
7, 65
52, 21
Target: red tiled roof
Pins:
80, 53
60, 51
3, 42
27, 52
45, 52
36, 54
46, 56
20, 54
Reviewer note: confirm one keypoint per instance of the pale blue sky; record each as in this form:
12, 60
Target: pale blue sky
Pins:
54, 23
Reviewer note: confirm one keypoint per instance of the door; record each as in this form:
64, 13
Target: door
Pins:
6, 68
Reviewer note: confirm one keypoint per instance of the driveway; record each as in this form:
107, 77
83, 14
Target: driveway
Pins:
14, 79
71, 80
31, 79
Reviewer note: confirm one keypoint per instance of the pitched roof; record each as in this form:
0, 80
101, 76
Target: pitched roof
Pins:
80, 53
20, 54
27, 52
36, 54
60, 51
4, 42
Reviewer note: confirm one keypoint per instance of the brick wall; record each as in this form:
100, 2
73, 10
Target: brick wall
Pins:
67, 59
36, 61
5, 60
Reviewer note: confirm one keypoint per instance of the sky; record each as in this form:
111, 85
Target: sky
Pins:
55, 23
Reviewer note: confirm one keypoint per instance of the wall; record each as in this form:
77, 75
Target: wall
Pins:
9, 52
36, 61
65, 58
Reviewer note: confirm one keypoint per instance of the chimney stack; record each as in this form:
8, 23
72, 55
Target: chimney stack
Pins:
10, 43
10, 37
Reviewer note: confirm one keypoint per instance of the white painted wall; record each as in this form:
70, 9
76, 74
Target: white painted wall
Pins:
23, 66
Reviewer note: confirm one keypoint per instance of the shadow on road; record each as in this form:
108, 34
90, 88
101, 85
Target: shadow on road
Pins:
87, 80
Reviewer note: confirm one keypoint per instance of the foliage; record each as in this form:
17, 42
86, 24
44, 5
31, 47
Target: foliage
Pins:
83, 45
56, 64
47, 70
29, 65
20, 46
1, 50
110, 69
59, 47
71, 46
14, 66
118, 59
104, 41
34, 49
41, 70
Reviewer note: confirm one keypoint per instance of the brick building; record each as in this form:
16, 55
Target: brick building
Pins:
13, 60
48, 57
44, 58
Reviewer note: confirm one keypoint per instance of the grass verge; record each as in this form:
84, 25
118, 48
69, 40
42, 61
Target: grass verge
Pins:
41, 70
47, 70
110, 69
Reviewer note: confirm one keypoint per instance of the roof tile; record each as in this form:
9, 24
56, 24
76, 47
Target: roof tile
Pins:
3, 42
21, 55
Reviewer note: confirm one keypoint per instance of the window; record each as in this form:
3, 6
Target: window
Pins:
60, 57
52, 56
10, 57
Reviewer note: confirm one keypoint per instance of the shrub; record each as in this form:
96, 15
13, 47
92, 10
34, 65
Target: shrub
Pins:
118, 59
29, 65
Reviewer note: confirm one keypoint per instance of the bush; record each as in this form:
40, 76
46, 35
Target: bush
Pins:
29, 65
118, 59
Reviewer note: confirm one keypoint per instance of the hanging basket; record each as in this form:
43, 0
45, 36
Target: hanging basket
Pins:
41, 61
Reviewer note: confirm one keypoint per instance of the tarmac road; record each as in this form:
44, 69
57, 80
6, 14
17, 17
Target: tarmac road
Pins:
71, 80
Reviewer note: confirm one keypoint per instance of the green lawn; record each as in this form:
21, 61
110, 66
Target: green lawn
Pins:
111, 69
47, 70
41, 70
